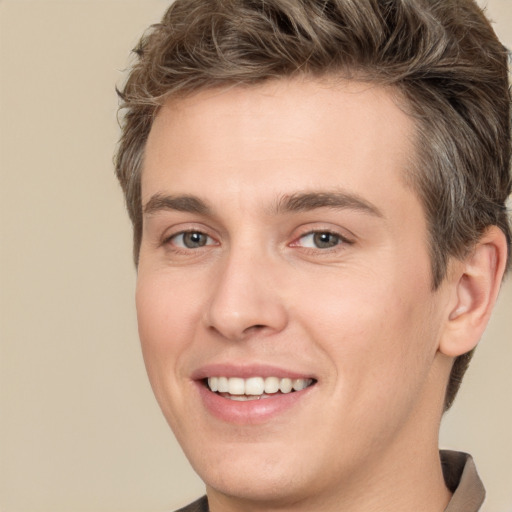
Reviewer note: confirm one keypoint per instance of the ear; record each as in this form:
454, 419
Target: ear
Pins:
475, 284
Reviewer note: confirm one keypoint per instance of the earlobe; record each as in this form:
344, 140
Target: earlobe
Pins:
476, 284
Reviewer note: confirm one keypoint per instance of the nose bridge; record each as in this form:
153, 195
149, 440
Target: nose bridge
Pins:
245, 297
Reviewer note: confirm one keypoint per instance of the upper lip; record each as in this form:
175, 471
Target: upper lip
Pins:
245, 371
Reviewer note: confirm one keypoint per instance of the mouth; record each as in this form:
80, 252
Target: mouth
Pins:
253, 394
255, 388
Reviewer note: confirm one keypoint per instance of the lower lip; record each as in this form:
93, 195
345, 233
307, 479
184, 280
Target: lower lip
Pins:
250, 412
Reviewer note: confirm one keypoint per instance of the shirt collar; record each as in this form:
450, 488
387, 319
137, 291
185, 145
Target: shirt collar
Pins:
462, 479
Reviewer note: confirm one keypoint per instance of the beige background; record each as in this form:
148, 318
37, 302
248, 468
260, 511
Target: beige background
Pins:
79, 428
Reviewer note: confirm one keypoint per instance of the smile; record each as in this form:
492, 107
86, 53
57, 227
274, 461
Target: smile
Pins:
253, 394
255, 388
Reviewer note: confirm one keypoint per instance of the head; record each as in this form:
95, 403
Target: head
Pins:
313, 186
442, 59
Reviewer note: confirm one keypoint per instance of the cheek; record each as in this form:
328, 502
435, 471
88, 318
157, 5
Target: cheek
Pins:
373, 326
167, 321
166, 317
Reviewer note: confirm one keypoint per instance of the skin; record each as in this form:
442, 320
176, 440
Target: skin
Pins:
360, 317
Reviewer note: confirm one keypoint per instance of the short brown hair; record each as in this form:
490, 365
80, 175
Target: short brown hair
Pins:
441, 55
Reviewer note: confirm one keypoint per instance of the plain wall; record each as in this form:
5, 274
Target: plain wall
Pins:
79, 427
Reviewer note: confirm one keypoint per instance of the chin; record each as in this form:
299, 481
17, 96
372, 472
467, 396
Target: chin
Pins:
262, 476
268, 489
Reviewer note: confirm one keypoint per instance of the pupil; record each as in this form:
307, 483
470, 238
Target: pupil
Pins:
324, 240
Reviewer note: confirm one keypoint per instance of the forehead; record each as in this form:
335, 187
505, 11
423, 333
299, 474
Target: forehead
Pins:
287, 133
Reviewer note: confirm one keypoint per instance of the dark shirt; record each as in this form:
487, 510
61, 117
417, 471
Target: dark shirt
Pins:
459, 474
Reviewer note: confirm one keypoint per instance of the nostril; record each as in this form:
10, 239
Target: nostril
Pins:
257, 327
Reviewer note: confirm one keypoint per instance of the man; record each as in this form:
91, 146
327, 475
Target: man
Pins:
317, 189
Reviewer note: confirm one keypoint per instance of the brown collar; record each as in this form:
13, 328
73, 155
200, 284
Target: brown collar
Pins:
463, 481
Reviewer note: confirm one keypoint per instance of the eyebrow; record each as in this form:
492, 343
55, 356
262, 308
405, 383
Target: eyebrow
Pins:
185, 203
337, 200
288, 203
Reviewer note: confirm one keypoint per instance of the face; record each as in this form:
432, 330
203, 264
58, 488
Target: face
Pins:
283, 249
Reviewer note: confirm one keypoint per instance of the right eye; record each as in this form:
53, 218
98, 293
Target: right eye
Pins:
191, 240
320, 240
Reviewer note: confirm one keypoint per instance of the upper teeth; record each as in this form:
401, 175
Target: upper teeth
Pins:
256, 385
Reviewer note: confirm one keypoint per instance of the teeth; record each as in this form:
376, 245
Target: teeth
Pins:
236, 386
243, 398
286, 385
299, 384
213, 383
255, 386
272, 384
223, 385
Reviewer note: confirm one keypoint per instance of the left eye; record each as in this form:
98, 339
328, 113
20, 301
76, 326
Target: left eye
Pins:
320, 240
191, 240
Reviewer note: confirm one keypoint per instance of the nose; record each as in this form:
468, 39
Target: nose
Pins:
246, 298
